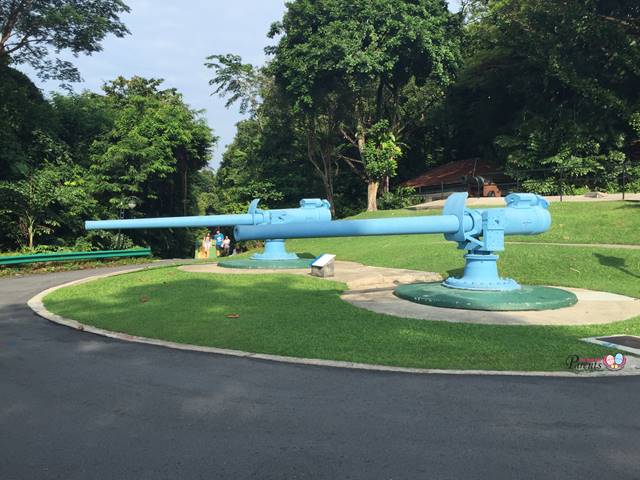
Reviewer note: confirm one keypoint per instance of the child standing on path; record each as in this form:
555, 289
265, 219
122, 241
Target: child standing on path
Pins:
219, 238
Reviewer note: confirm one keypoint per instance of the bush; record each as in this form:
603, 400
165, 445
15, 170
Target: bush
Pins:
102, 240
400, 198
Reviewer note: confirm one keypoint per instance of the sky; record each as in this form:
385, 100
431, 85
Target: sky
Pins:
171, 40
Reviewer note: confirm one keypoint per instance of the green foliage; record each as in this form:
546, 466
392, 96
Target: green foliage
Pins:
348, 66
380, 153
550, 86
237, 81
48, 197
153, 151
268, 157
97, 240
401, 197
35, 32
96, 150
24, 117
332, 44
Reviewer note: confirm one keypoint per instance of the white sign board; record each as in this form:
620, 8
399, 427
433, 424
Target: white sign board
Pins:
323, 260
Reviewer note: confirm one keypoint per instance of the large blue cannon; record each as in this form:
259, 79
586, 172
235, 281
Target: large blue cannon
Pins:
480, 232
311, 211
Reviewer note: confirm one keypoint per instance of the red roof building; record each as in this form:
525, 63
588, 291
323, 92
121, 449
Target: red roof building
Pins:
454, 173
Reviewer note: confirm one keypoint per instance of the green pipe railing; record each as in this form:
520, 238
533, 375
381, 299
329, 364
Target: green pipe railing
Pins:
73, 256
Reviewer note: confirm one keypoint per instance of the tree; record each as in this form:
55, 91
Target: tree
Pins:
153, 151
550, 86
264, 161
24, 115
46, 198
237, 81
380, 158
34, 32
361, 56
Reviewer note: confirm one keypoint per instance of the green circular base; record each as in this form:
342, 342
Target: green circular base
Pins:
266, 264
526, 298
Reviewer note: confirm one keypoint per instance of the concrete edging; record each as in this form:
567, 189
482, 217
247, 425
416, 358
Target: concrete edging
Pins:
36, 304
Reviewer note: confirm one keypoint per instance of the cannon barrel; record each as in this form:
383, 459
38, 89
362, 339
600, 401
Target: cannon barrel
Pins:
355, 228
310, 210
525, 214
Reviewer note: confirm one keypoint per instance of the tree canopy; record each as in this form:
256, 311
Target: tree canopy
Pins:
348, 66
35, 32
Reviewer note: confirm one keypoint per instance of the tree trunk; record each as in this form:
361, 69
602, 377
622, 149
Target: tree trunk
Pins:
372, 195
31, 235
320, 154
328, 188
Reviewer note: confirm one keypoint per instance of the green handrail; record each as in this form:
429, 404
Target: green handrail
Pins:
73, 256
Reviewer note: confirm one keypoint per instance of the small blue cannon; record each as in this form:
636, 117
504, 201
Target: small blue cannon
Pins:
311, 211
480, 232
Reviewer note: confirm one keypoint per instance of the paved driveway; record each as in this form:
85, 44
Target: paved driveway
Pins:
78, 406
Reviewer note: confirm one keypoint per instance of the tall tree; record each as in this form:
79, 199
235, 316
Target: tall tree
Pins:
153, 151
36, 31
264, 159
364, 54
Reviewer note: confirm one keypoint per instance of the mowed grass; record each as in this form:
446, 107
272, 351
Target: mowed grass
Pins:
305, 317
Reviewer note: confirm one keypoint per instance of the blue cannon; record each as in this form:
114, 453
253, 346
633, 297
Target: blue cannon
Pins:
480, 232
311, 211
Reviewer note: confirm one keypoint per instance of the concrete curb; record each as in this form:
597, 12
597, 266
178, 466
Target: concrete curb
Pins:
36, 304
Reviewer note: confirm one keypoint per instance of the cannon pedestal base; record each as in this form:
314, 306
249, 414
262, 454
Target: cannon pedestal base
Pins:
274, 250
525, 298
274, 256
481, 273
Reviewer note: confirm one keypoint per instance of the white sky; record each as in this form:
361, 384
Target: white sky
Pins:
171, 39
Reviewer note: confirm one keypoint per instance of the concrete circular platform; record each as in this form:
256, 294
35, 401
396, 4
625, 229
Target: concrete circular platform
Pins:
593, 308
249, 264
525, 298
372, 288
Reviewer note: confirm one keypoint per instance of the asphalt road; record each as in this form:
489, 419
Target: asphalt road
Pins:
78, 406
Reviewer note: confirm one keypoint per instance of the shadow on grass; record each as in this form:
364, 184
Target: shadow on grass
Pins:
615, 262
629, 204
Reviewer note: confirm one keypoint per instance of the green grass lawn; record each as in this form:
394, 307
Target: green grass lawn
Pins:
299, 316
304, 317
